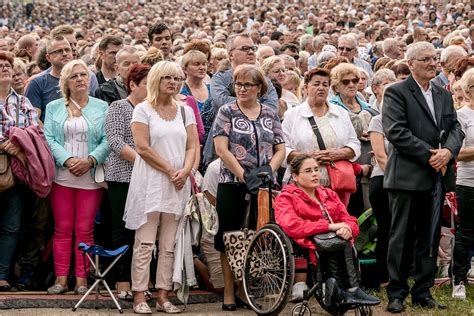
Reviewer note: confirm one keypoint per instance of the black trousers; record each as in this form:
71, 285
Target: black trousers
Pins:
341, 266
120, 235
464, 232
378, 197
409, 244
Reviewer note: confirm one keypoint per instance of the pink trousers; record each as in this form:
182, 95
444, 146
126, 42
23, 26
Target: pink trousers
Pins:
74, 211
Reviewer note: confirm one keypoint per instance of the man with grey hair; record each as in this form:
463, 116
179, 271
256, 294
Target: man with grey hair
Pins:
115, 89
347, 47
241, 51
415, 112
391, 48
263, 52
318, 43
306, 43
448, 55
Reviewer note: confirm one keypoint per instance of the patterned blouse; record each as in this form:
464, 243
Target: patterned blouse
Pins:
119, 134
251, 142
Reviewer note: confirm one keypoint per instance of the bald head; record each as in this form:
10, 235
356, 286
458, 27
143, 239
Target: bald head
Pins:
264, 52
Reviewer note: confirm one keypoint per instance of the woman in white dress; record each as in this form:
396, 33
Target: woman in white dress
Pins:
164, 132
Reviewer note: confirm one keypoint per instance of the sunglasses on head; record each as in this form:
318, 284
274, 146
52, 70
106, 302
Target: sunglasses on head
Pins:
347, 81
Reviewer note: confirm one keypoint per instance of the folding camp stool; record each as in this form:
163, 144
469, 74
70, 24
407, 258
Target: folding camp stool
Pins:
98, 251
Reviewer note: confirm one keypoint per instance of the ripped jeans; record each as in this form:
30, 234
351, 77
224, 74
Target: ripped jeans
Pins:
166, 225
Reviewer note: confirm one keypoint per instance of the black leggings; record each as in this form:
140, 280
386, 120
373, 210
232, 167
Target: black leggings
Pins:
464, 232
341, 266
120, 235
378, 197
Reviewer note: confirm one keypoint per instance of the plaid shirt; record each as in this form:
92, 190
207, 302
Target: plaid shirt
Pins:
27, 117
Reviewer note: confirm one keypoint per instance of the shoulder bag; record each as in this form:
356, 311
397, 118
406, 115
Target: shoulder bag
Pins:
341, 172
330, 241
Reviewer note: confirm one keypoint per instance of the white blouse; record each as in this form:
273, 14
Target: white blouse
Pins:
298, 134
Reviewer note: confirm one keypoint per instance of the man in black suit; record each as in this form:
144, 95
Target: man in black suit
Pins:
414, 114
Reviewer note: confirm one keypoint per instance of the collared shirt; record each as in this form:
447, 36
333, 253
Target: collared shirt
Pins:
27, 115
358, 62
428, 95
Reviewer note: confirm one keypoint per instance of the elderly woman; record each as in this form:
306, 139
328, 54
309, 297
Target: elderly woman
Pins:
165, 136
19, 76
337, 133
247, 137
15, 110
274, 68
333, 123
306, 208
119, 168
345, 79
378, 196
74, 130
464, 191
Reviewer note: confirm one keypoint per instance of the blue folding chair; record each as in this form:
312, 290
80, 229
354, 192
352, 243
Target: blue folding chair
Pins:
98, 251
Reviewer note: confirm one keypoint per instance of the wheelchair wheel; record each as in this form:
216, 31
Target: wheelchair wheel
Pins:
269, 270
301, 309
363, 310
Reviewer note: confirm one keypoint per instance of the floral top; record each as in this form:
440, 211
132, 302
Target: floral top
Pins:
251, 142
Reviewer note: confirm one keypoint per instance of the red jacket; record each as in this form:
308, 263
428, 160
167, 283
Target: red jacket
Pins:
301, 217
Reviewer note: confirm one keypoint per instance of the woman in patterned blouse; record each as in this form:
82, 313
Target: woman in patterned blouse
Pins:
247, 135
119, 170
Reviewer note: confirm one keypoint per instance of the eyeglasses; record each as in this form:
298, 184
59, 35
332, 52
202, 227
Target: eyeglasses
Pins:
8, 66
347, 81
247, 49
428, 59
169, 78
282, 70
78, 76
345, 49
246, 86
60, 51
310, 170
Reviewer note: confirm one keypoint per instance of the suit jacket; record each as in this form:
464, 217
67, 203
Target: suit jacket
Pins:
412, 132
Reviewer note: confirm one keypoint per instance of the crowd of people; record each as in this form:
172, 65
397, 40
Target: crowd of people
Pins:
129, 103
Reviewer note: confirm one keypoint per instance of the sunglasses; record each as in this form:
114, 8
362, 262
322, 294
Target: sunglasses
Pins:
347, 81
345, 49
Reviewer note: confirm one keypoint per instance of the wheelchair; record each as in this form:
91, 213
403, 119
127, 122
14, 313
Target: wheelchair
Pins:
269, 270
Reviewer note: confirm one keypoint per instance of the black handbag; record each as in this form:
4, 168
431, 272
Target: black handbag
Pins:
330, 241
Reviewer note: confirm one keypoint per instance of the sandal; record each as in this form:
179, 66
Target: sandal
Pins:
81, 290
142, 308
125, 295
148, 295
167, 308
57, 289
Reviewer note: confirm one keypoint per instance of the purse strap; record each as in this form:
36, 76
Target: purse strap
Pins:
323, 208
316, 132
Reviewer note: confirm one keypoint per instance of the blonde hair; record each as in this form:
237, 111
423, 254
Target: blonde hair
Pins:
152, 56
294, 78
269, 63
66, 73
158, 71
341, 70
18, 63
467, 77
193, 56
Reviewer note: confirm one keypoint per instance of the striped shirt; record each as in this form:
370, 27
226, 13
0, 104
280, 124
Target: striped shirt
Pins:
8, 108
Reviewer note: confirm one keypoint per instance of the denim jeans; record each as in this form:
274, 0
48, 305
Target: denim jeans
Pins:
12, 202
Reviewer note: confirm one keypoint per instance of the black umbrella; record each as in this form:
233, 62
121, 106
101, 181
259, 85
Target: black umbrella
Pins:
437, 205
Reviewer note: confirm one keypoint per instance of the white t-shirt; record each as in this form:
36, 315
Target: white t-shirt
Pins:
211, 177
76, 139
465, 172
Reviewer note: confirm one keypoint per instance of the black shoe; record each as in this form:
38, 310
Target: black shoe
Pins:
360, 297
5, 288
395, 306
241, 303
332, 294
428, 302
229, 307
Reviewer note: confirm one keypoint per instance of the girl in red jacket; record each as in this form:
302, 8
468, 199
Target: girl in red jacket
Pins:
298, 210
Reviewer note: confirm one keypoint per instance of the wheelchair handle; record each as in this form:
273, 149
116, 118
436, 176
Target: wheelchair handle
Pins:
263, 175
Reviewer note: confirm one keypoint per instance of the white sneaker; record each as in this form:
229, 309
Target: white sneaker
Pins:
459, 291
297, 291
